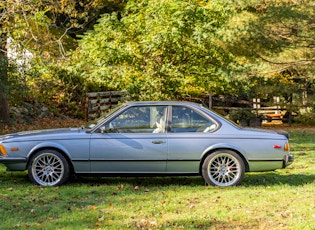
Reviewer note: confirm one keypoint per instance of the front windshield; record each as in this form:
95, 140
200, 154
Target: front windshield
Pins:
91, 124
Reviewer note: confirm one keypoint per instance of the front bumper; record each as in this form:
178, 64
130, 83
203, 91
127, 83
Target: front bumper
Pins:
14, 163
288, 159
8, 160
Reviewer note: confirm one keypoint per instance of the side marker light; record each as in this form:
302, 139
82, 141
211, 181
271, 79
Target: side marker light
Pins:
14, 149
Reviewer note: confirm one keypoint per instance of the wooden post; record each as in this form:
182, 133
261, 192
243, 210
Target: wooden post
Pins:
87, 108
98, 105
256, 104
210, 100
110, 100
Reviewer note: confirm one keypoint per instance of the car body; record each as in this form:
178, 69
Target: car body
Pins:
147, 138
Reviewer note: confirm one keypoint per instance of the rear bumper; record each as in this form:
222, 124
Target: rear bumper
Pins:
288, 159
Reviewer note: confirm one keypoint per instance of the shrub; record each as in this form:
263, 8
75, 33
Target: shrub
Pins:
307, 118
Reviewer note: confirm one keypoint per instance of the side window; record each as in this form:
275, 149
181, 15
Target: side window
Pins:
141, 119
187, 120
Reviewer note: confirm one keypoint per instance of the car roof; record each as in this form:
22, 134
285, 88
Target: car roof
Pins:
162, 103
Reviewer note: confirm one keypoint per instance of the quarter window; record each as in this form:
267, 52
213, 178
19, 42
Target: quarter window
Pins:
187, 120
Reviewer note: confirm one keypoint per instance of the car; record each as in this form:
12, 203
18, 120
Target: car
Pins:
165, 138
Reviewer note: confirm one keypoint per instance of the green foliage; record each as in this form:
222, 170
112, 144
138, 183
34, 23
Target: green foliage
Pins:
242, 115
157, 49
272, 43
53, 86
307, 118
17, 86
162, 49
48, 30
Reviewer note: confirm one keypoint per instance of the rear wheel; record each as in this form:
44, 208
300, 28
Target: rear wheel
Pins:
223, 168
48, 168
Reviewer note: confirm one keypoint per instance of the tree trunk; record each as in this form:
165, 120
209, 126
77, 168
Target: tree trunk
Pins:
4, 105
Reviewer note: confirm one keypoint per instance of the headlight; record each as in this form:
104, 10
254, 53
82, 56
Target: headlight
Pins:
3, 151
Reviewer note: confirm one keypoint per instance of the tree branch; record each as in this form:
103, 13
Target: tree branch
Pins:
305, 62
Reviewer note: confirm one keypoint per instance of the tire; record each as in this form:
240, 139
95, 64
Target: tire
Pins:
48, 168
223, 168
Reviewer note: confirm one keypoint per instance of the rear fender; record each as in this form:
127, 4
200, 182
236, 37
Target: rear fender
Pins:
241, 152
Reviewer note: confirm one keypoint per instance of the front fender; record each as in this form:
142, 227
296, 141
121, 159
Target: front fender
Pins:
47, 145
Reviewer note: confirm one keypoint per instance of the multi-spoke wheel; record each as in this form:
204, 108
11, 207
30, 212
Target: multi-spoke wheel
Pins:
223, 168
48, 168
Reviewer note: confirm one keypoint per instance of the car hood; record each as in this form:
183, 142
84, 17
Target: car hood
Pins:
46, 134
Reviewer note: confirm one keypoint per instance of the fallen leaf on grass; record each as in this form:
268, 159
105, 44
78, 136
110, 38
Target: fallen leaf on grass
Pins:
163, 203
286, 214
146, 224
98, 224
32, 200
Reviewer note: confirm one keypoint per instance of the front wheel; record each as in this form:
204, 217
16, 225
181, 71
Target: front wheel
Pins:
48, 168
223, 168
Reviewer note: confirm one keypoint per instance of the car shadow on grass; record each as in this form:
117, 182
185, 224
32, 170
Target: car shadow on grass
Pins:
273, 178
252, 179
138, 181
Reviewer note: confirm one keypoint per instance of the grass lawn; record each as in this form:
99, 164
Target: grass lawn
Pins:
283, 199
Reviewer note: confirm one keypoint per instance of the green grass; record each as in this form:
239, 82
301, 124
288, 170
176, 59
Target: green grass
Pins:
283, 199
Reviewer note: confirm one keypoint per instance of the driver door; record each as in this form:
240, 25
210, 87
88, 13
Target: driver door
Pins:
132, 142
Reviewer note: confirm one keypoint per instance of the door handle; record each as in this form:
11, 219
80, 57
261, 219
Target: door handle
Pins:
158, 142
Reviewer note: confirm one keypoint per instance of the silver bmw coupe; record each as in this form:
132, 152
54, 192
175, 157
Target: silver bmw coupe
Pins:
147, 139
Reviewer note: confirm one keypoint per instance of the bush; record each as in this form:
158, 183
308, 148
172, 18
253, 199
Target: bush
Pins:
242, 115
307, 118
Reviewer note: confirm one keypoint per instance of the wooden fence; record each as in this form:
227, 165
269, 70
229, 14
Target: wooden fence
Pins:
98, 103
265, 109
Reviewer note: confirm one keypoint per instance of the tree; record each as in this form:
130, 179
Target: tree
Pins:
47, 28
157, 49
4, 108
273, 37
